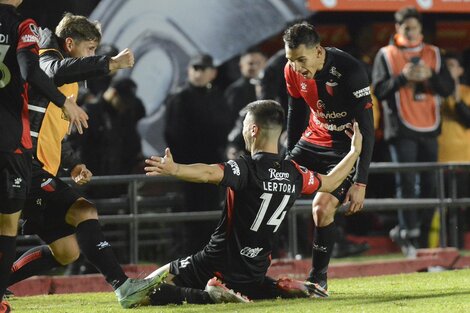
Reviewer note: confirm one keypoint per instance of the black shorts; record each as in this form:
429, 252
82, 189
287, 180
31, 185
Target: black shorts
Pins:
323, 160
46, 206
194, 271
15, 179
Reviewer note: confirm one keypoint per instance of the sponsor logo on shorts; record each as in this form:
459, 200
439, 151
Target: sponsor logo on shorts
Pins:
234, 166
17, 182
362, 92
250, 252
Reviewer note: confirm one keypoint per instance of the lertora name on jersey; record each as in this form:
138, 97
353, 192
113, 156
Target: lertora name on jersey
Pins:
278, 187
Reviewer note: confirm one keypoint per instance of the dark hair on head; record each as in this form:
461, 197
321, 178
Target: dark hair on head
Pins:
78, 28
250, 50
301, 33
406, 13
266, 113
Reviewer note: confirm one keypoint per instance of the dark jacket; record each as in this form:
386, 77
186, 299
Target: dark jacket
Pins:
196, 124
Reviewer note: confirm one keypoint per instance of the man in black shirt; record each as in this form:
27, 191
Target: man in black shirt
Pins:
328, 91
260, 191
19, 66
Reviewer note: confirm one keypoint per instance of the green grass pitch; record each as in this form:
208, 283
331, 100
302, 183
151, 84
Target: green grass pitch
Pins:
440, 292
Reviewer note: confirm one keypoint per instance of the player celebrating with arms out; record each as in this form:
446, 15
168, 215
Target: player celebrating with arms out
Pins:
261, 189
330, 89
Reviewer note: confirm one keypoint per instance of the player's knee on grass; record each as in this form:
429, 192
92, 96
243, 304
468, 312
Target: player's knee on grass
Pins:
80, 211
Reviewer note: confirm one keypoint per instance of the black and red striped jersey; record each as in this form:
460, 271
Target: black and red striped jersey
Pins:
337, 94
260, 191
16, 33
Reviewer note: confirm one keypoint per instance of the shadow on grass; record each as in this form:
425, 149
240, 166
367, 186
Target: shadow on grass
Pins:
421, 295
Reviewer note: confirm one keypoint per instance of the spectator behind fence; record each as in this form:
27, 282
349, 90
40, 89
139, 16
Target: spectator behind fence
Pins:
111, 146
408, 79
455, 136
196, 131
244, 90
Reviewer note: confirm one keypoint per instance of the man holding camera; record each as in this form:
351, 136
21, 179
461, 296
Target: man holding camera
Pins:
408, 79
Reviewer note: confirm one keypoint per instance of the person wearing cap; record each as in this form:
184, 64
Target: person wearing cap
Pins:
112, 145
196, 127
56, 212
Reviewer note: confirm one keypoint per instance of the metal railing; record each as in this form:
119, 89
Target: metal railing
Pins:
134, 201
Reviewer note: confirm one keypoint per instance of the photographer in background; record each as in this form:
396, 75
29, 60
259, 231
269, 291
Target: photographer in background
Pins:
408, 78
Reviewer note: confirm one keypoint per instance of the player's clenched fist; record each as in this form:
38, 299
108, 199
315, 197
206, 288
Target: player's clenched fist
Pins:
124, 59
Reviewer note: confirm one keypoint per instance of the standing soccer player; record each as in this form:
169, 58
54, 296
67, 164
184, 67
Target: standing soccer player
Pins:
328, 90
19, 66
65, 220
260, 191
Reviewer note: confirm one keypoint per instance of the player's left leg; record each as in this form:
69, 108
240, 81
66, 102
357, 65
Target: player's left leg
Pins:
130, 292
323, 209
15, 178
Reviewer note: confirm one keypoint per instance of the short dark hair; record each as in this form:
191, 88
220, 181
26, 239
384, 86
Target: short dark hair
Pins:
78, 28
406, 13
301, 33
266, 113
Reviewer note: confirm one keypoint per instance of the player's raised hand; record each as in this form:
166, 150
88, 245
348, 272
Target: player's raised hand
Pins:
161, 165
124, 59
356, 138
75, 114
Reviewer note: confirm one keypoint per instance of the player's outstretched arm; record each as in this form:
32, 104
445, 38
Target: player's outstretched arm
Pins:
196, 173
339, 173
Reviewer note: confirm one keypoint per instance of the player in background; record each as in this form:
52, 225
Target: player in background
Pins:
65, 220
19, 67
328, 91
261, 188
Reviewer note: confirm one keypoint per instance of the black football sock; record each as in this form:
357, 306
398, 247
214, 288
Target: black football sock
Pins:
98, 251
324, 241
7, 256
170, 294
35, 261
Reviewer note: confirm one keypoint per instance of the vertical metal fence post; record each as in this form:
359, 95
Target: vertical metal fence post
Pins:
453, 218
292, 233
442, 209
134, 225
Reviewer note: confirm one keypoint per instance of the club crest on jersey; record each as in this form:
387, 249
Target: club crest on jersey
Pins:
329, 87
303, 86
334, 72
320, 105
280, 176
